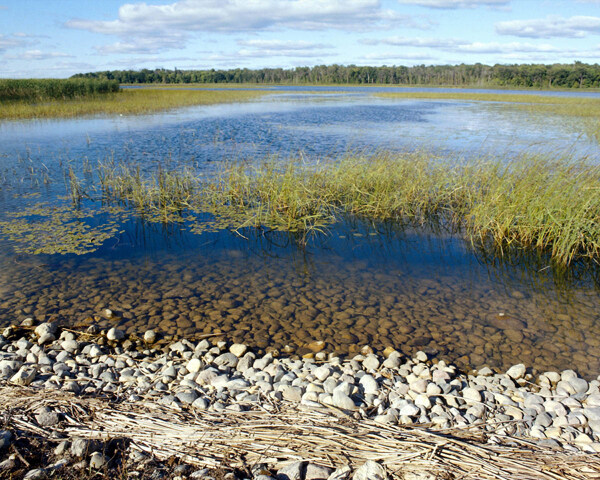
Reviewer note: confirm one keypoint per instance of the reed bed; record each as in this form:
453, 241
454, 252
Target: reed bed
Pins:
125, 102
40, 90
532, 203
282, 433
552, 206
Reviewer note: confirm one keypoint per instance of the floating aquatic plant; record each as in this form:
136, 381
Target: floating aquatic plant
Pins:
44, 229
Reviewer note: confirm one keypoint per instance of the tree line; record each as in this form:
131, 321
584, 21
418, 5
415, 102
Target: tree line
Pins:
575, 75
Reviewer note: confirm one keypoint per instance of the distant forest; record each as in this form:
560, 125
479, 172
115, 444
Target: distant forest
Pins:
576, 75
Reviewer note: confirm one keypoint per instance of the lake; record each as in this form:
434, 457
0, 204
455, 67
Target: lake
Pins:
375, 284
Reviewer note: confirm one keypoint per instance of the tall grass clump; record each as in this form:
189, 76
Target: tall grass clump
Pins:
532, 203
552, 206
41, 90
162, 195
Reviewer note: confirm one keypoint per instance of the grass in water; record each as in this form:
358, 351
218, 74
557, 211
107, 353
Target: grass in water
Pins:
129, 101
532, 203
552, 206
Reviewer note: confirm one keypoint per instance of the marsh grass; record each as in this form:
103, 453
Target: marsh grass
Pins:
532, 203
126, 102
584, 108
39, 90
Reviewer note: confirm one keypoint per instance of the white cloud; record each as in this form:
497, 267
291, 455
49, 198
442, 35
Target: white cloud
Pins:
242, 15
455, 45
451, 4
37, 55
13, 41
551, 26
280, 44
143, 45
397, 56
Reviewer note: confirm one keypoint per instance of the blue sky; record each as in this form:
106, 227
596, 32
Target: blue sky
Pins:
57, 38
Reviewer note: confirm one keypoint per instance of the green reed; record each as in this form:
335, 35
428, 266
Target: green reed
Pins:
164, 194
40, 90
533, 203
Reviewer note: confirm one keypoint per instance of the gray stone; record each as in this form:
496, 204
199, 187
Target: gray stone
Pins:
516, 371
370, 470
341, 473
471, 395
238, 349
187, 397
543, 420
24, 376
79, 447
317, 472
36, 474
194, 365
95, 351
261, 363
343, 401
322, 372
226, 360
579, 385
409, 410
46, 338
61, 448
45, 329
371, 362
47, 418
292, 394
422, 400
5, 438
200, 403
9, 463
71, 346
97, 460
293, 471
369, 384
115, 335
392, 362
150, 337
592, 414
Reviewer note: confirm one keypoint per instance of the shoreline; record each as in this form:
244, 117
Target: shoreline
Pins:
223, 391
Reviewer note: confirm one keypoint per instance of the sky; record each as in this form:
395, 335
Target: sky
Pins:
58, 38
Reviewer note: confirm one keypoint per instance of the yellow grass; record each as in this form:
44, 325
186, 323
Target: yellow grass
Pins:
126, 102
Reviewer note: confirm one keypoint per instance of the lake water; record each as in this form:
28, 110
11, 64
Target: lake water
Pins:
360, 284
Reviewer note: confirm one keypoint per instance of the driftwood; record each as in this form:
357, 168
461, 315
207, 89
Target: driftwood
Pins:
285, 433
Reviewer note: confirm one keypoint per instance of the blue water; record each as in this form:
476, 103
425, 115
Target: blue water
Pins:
358, 284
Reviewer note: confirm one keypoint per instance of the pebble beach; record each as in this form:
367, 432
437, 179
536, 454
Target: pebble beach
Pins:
556, 410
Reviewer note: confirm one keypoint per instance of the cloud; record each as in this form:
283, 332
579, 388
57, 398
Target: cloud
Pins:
244, 15
37, 55
397, 56
143, 45
280, 44
551, 26
13, 41
463, 46
452, 4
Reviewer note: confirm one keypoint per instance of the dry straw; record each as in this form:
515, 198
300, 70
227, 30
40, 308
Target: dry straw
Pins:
281, 434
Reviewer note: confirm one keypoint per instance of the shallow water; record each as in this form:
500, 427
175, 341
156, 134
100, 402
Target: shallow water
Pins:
358, 285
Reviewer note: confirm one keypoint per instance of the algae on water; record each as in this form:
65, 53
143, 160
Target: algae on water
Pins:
44, 229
